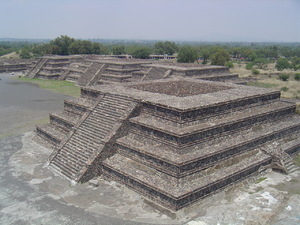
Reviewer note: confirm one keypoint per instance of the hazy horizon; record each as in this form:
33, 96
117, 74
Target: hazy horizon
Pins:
180, 20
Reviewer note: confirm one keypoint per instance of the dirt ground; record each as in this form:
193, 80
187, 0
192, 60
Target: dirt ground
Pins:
30, 193
270, 77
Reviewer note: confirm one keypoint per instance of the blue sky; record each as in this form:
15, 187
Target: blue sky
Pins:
209, 20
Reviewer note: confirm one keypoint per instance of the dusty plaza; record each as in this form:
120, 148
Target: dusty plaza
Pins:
143, 145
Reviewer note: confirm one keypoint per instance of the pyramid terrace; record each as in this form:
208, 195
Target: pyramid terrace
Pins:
173, 141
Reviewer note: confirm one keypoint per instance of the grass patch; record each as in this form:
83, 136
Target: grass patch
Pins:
284, 89
294, 181
260, 84
260, 179
59, 86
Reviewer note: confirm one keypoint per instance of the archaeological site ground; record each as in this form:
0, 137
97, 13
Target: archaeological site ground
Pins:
173, 134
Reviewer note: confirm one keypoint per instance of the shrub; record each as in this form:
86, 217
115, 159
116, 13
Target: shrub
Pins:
284, 77
229, 64
297, 76
284, 89
282, 64
249, 66
255, 71
221, 57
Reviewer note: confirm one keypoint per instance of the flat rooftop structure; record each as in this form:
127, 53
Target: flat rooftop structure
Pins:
180, 96
179, 88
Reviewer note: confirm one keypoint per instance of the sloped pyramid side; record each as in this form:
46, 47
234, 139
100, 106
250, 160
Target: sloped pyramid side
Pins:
78, 157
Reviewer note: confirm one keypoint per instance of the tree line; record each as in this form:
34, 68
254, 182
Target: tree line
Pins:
286, 56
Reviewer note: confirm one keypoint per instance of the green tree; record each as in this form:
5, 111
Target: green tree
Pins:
60, 45
167, 47
297, 76
99, 49
118, 50
205, 54
25, 53
282, 63
260, 62
81, 47
187, 54
141, 52
295, 63
221, 57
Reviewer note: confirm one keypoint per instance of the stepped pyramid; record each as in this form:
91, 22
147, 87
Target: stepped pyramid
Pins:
174, 140
88, 70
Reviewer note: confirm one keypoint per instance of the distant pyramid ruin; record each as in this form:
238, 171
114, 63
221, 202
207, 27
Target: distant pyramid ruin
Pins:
94, 70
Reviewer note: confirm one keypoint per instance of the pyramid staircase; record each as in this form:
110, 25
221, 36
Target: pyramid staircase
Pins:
36, 69
176, 157
78, 157
74, 71
118, 72
90, 73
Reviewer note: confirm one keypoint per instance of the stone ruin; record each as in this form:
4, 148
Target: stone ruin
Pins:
173, 141
94, 70
15, 65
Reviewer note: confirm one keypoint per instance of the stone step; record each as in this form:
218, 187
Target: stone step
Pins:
180, 162
84, 102
66, 119
78, 106
290, 146
66, 165
79, 142
51, 133
66, 169
47, 68
151, 125
89, 73
118, 104
34, 71
218, 77
177, 193
104, 114
100, 124
87, 135
110, 112
209, 107
73, 76
77, 152
73, 156
118, 71
110, 107
113, 77
105, 123
91, 134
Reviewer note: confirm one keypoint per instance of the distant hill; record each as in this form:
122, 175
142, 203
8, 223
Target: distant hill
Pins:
24, 40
